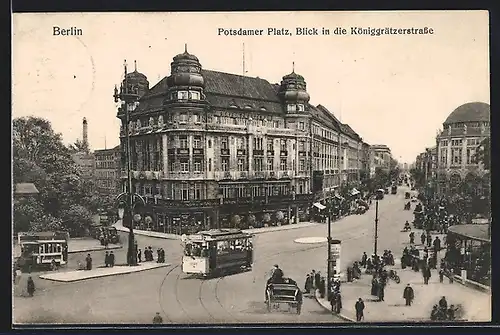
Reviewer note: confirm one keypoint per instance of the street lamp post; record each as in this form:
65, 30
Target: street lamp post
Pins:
375, 242
329, 240
128, 97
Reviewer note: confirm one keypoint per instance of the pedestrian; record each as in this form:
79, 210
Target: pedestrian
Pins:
139, 255
359, 307
381, 293
157, 320
412, 237
111, 259
441, 275
317, 280
30, 286
88, 261
158, 257
408, 295
426, 273
106, 259
374, 288
437, 244
307, 285
422, 238
443, 304
364, 259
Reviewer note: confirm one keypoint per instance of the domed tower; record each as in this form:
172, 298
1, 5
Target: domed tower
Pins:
136, 82
293, 92
185, 81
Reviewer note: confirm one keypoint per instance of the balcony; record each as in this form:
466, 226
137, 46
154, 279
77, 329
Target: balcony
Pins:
224, 175
285, 174
241, 152
258, 152
197, 152
182, 151
171, 151
224, 152
283, 153
302, 153
272, 174
260, 174
242, 174
270, 153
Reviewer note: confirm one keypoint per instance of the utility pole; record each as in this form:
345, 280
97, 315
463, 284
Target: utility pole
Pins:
376, 228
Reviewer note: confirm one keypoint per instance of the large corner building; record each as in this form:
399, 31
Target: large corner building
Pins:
212, 149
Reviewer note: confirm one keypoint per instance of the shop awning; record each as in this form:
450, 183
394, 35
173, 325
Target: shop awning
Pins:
354, 191
319, 206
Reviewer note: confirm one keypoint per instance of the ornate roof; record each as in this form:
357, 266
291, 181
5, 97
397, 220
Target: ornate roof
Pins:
469, 112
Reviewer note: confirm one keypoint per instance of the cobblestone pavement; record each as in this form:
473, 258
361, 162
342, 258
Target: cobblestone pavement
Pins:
239, 298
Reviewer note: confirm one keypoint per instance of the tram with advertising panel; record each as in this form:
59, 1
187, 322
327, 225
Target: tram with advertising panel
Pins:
217, 251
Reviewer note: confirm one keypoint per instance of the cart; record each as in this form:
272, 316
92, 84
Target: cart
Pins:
283, 294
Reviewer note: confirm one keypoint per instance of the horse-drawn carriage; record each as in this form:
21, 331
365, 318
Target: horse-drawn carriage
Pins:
288, 294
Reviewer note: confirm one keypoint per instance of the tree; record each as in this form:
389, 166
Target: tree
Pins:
40, 157
78, 146
483, 154
381, 178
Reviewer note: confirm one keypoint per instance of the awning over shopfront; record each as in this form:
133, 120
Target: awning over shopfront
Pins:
354, 192
319, 206
478, 232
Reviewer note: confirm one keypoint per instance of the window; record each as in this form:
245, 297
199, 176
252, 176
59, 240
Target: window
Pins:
291, 108
276, 124
302, 145
195, 95
456, 143
257, 163
183, 140
224, 143
270, 144
199, 191
470, 156
227, 191
301, 126
184, 191
302, 164
225, 164
444, 143
270, 164
257, 143
300, 107
147, 190
196, 118
197, 142
241, 164
283, 145
184, 165
456, 156
210, 164
241, 191
197, 166
182, 95
240, 143
473, 142
173, 166
283, 165
183, 117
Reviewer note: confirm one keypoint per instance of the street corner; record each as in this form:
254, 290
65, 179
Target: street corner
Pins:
78, 275
310, 240
325, 304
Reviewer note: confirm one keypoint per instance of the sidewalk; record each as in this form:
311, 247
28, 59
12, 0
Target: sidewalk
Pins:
72, 276
118, 225
477, 305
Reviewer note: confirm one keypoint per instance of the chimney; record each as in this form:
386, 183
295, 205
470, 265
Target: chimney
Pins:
85, 134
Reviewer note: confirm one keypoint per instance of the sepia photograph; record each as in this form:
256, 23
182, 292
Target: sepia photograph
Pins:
230, 168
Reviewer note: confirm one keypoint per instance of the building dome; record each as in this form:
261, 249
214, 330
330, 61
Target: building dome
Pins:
470, 112
293, 89
136, 81
185, 71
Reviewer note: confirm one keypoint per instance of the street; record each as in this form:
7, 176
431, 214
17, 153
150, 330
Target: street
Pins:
239, 298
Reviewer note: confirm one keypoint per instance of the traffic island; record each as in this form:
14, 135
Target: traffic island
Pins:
78, 275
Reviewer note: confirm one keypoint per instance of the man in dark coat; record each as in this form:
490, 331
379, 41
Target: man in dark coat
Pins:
374, 288
157, 319
364, 258
106, 259
30, 286
359, 307
139, 255
422, 238
111, 259
443, 304
317, 279
437, 244
381, 293
426, 272
408, 295
88, 261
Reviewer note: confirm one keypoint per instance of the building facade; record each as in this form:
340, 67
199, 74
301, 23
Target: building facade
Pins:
382, 156
463, 131
107, 173
211, 149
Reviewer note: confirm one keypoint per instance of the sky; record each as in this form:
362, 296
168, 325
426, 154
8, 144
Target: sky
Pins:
391, 89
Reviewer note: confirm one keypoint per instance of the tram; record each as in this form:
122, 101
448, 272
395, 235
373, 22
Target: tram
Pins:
217, 251
42, 249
